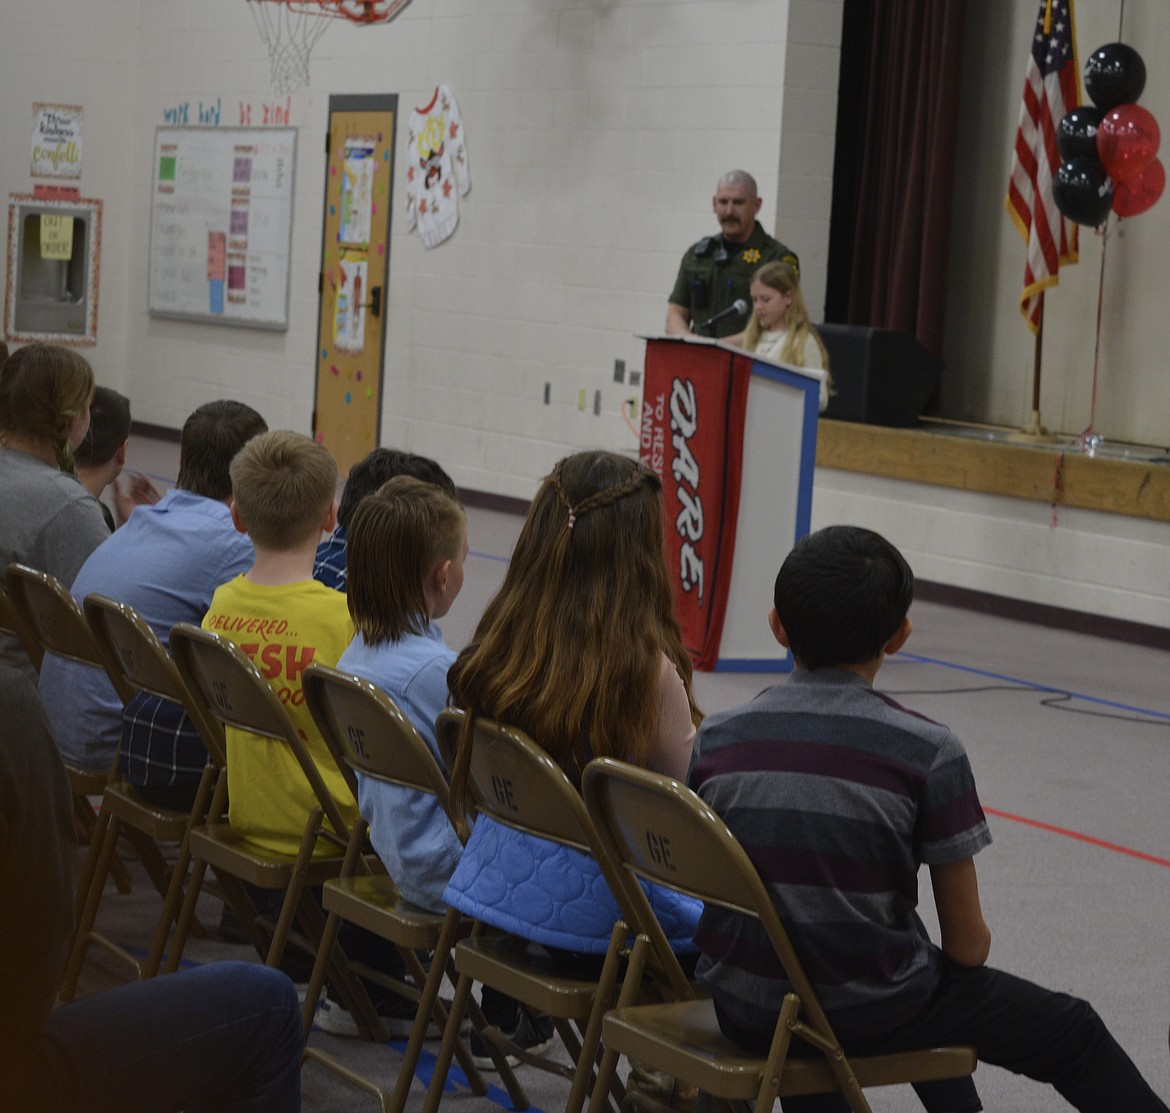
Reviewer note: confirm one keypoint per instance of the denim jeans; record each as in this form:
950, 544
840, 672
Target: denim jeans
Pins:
224, 1037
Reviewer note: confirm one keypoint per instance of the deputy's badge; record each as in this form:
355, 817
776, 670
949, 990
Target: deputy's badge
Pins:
751, 255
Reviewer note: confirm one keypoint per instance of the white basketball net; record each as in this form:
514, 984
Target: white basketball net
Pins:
290, 33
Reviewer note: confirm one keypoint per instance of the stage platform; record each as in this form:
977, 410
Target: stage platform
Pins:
1114, 478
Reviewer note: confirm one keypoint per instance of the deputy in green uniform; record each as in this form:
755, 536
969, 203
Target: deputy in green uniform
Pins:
718, 269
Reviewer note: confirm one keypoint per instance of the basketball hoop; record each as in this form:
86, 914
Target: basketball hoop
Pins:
290, 29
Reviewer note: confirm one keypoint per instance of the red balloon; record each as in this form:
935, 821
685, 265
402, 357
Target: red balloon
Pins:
1140, 193
1127, 141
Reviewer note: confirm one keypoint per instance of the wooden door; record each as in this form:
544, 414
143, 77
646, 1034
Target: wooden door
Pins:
354, 275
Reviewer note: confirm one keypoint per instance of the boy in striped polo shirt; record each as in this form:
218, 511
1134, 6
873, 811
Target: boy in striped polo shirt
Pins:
839, 795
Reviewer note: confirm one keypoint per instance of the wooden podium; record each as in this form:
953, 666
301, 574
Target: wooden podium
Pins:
734, 439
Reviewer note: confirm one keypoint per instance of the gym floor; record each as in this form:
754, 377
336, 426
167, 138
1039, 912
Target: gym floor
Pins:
1069, 739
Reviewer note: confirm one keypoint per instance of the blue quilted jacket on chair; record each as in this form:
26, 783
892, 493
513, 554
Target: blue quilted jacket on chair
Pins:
551, 894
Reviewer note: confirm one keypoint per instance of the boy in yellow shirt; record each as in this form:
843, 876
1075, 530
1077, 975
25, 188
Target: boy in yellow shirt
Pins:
283, 485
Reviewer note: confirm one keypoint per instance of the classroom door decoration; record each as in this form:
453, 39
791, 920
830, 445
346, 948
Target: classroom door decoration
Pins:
437, 172
355, 258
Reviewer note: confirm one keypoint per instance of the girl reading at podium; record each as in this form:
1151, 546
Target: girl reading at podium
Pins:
779, 328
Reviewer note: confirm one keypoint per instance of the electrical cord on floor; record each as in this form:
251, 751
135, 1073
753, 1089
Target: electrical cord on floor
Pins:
1054, 698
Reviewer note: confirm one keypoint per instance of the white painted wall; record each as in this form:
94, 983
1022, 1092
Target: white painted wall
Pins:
1079, 560
596, 131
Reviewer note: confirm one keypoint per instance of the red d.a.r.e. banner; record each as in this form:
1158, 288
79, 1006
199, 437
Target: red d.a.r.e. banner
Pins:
694, 400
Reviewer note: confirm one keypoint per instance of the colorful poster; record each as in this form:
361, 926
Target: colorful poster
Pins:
694, 401
349, 320
437, 170
216, 271
56, 236
56, 141
216, 256
357, 190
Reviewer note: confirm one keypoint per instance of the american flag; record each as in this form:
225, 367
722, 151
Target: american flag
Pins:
1051, 88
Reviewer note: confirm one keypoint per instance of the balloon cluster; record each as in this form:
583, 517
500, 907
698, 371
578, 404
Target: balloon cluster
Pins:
1110, 150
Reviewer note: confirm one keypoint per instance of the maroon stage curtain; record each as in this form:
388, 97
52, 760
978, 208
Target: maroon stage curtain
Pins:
897, 127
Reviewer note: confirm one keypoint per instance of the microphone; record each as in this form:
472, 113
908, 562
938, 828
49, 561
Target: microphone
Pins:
736, 309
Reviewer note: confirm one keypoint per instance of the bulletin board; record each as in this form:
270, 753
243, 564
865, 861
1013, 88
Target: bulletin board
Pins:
221, 210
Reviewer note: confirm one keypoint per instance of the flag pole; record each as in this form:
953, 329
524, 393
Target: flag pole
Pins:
1034, 428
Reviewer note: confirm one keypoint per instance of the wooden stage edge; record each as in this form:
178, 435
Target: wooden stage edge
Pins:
1039, 472
1036, 470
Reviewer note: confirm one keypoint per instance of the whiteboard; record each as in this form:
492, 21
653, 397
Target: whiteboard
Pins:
221, 210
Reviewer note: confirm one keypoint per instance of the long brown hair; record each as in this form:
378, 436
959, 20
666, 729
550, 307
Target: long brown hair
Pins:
570, 647
43, 389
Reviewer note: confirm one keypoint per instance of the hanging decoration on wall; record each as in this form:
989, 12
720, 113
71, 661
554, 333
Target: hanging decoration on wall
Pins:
1110, 150
437, 171
56, 140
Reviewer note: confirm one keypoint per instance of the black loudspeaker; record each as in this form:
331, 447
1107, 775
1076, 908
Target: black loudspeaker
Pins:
882, 377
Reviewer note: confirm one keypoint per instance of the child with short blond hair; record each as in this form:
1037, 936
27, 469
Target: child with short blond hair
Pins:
283, 488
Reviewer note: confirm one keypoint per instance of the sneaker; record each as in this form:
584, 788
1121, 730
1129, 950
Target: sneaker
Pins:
397, 1014
531, 1033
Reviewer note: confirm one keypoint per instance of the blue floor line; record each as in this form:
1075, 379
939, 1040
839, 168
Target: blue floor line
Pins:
1113, 704
456, 1079
488, 556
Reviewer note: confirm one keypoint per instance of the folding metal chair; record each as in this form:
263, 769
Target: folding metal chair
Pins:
230, 688
53, 616
651, 827
13, 622
132, 650
516, 783
367, 733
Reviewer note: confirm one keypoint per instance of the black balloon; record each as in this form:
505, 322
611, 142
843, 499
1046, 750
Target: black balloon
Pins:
1083, 191
1114, 74
1076, 135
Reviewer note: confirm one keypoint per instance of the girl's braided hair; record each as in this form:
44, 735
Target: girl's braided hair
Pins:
570, 648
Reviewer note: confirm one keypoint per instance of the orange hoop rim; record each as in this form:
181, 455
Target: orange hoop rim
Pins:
357, 11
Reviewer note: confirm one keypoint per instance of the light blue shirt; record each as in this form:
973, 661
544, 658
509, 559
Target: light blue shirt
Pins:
166, 562
409, 829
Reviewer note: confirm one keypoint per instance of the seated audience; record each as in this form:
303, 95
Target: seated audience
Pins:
838, 795
579, 649
101, 458
166, 563
226, 1036
365, 477
283, 486
47, 518
407, 544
